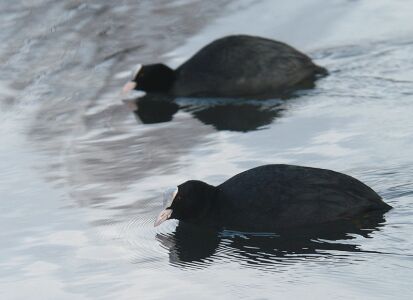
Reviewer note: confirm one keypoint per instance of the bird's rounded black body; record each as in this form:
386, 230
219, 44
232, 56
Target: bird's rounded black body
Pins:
276, 197
237, 66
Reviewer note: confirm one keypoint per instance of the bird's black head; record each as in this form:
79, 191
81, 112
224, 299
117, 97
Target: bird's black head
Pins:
155, 78
190, 202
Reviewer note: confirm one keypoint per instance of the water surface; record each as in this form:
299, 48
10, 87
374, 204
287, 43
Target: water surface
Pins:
82, 176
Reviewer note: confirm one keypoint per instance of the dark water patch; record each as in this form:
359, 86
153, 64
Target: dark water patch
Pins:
191, 245
222, 114
237, 118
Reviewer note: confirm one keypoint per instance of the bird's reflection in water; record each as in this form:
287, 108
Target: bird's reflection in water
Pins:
154, 109
223, 114
242, 118
190, 246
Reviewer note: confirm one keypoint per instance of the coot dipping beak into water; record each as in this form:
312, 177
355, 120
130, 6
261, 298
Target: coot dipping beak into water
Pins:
272, 198
238, 66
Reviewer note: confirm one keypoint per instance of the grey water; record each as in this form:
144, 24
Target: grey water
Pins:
82, 176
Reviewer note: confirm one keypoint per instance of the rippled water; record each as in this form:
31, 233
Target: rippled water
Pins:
82, 175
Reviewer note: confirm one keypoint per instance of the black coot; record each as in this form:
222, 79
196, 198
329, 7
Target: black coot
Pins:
271, 198
234, 66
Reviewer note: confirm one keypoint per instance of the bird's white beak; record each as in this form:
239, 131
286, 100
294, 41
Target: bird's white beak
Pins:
163, 216
129, 87
168, 198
